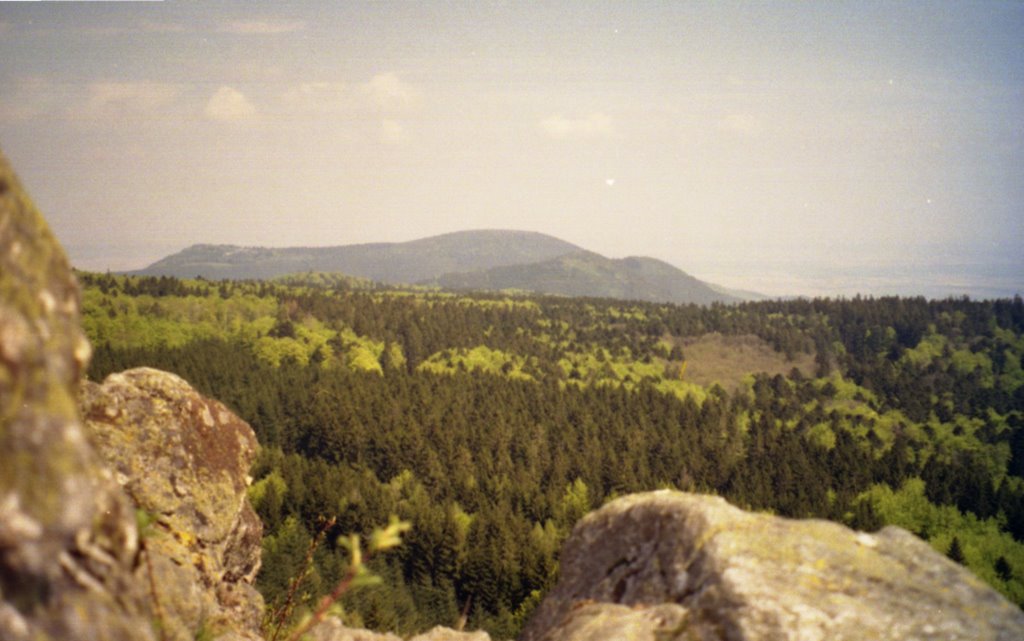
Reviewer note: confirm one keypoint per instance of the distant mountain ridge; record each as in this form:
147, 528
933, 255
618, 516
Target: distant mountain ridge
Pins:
584, 273
478, 259
392, 263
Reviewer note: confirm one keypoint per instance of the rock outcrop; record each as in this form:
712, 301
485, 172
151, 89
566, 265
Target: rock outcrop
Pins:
73, 562
332, 629
669, 565
184, 461
68, 541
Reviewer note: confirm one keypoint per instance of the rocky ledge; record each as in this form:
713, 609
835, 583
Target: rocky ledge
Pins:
183, 460
670, 565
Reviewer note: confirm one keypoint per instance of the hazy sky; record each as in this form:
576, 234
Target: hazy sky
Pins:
793, 148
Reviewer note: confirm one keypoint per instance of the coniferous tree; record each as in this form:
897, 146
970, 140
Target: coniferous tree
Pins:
955, 552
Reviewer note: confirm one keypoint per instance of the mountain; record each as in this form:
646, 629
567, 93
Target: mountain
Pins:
584, 273
481, 259
410, 262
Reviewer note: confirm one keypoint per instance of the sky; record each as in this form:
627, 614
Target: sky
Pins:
788, 148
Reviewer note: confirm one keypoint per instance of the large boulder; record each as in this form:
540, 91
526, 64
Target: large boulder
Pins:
670, 565
184, 460
74, 564
68, 540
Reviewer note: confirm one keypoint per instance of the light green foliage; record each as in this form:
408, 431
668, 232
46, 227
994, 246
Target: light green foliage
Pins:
930, 348
463, 522
363, 357
311, 337
390, 536
547, 537
822, 435
327, 280
357, 575
603, 367
258, 491
277, 350
849, 391
171, 321
887, 424
632, 313
966, 361
1012, 348
395, 354
478, 359
361, 353
576, 502
517, 302
982, 540
683, 389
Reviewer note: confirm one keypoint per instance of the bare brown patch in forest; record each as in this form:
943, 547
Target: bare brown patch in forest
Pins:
714, 358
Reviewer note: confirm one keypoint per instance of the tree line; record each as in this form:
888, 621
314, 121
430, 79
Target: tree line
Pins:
911, 403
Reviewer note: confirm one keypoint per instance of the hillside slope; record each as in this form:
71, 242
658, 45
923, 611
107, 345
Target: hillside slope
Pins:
585, 273
393, 263
481, 260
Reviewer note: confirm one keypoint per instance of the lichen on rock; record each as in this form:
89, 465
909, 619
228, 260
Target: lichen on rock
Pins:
67, 532
73, 563
745, 576
332, 629
184, 460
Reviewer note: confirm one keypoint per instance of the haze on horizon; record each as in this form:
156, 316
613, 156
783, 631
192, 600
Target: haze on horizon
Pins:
787, 148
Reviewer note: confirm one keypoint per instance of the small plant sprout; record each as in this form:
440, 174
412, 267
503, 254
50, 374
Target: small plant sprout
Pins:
389, 537
281, 614
358, 574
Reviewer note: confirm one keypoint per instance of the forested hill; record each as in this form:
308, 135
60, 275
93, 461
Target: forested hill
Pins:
394, 263
494, 422
585, 273
484, 259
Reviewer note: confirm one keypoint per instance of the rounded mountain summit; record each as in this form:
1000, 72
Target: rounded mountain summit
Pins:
499, 260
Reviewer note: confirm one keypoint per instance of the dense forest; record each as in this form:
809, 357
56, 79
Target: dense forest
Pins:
493, 422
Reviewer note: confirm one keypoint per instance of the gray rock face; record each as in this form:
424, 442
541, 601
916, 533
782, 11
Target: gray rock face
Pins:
184, 460
669, 565
332, 629
68, 541
73, 563
440, 633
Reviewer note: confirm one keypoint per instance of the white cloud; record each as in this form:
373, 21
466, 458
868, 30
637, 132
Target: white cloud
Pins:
262, 27
595, 125
118, 99
383, 95
744, 124
388, 91
229, 104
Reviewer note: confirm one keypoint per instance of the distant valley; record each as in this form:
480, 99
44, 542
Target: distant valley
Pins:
469, 260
